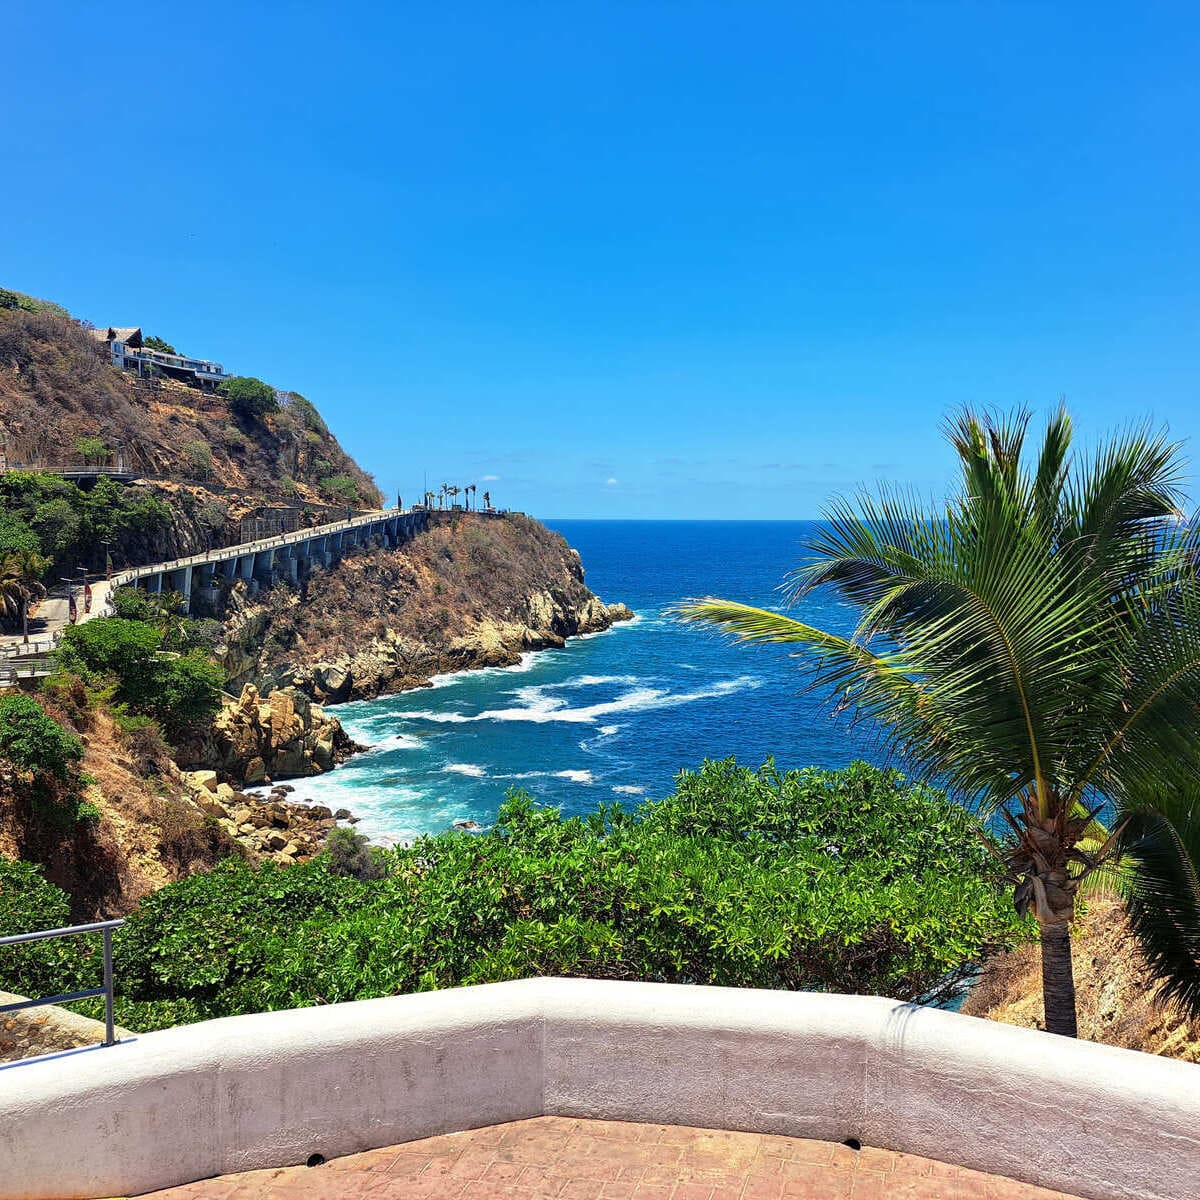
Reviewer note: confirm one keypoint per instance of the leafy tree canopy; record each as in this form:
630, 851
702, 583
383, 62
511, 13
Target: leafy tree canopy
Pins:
249, 398
176, 690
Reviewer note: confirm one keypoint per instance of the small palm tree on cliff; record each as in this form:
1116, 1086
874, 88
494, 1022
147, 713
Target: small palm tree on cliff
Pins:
1035, 645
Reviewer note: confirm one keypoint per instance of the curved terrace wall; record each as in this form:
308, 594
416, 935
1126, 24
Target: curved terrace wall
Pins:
273, 1088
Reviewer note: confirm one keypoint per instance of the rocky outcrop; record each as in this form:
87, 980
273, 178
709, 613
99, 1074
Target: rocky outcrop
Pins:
470, 591
392, 662
256, 739
264, 828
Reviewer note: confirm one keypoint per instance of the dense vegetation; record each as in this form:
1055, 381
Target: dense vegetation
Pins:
143, 671
72, 526
249, 398
847, 881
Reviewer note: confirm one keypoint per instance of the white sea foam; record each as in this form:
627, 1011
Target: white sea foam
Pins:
628, 789
609, 730
471, 769
540, 708
595, 680
575, 776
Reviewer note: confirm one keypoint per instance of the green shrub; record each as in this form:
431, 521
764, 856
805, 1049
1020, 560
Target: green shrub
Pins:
34, 742
157, 343
843, 881
341, 486
27, 904
352, 854
176, 690
91, 449
249, 399
16, 535
71, 525
197, 459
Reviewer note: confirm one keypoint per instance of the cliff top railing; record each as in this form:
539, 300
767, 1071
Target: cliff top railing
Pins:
105, 989
274, 1089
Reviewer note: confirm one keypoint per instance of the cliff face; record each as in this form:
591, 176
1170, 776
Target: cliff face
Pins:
471, 591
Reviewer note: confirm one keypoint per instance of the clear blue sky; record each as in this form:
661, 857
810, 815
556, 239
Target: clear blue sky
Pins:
631, 259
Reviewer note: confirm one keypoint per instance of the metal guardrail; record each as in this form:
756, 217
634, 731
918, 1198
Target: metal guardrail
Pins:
105, 927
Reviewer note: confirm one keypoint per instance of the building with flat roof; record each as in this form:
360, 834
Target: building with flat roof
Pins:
126, 349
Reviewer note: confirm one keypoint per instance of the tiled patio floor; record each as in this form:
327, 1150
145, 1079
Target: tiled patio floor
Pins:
557, 1157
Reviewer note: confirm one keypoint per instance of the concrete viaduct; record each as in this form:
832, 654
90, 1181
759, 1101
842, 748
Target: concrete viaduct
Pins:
286, 557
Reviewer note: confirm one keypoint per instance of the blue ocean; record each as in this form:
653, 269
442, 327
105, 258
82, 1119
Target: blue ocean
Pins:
615, 715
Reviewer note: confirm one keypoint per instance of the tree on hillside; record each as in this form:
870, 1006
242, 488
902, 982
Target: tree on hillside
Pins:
20, 584
1035, 645
157, 343
250, 399
91, 449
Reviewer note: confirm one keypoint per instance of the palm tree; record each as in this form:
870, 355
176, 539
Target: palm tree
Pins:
487, 499
20, 582
1035, 646
429, 498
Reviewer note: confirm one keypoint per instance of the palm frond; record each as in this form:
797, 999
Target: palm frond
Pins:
1164, 902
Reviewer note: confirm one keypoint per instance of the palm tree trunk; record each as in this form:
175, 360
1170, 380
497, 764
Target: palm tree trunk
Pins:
1058, 980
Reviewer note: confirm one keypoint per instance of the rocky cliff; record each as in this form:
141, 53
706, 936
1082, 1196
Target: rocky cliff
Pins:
256, 739
472, 591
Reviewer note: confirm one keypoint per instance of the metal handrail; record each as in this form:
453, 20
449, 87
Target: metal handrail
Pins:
104, 927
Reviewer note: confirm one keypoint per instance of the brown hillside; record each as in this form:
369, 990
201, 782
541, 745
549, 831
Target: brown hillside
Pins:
57, 386
471, 591
1115, 989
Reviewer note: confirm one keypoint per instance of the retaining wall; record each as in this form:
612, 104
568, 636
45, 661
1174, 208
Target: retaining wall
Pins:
273, 1088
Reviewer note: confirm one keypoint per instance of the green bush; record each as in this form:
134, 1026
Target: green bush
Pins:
352, 854
34, 742
843, 881
71, 525
157, 343
198, 459
16, 535
27, 904
341, 486
176, 690
91, 449
249, 398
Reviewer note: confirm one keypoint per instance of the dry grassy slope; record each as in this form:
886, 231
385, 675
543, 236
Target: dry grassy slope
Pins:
149, 832
1115, 989
472, 591
55, 387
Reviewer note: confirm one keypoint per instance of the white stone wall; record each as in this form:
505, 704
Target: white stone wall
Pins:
273, 1088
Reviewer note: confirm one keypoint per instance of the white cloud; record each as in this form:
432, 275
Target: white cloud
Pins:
611, 481
489, 478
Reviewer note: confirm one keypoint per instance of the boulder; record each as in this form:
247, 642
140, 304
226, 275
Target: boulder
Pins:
256, 771
201, 780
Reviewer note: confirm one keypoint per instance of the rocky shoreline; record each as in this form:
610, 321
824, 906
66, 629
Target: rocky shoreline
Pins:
272, 828
391, 663
259, 739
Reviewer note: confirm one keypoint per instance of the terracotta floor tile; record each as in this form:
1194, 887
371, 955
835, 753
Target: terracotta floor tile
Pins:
567, 1158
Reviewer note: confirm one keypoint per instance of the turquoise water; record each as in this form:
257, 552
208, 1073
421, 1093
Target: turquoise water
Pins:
614, 715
